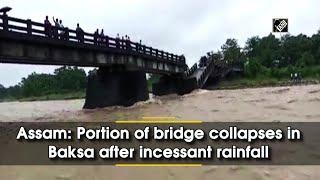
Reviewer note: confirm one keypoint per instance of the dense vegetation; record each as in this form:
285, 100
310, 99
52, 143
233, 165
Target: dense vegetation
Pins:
69, 81
271, 57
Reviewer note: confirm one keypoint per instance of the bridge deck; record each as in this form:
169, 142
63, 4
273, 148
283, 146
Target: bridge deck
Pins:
198, 72
33, 45
214, 68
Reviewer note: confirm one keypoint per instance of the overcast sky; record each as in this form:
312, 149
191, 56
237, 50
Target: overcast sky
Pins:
189, 27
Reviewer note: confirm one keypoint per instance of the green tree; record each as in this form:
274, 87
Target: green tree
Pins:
252, 67
315, 50
306, 59
293, 47
217, 56
70, 78
251, 48
14, 92
38, 84
2, 91
268, 50
231, 50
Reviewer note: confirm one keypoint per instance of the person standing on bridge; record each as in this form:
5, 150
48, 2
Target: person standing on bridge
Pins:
125, 44
183, 58
140, 46
122, 42
47, 27
102, 38
96, 37
80, 34
61, 31
128, 45
56, 27
118, 41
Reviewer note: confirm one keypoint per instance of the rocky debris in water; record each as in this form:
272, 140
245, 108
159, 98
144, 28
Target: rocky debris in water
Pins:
280, 91
235, 168
63, 177
171, 172
306, 174
256, 100
167, 97
215, 110
266, 173
210, 169
314, 100
152, 100
280, 107
292, 101
314, 91
196, 92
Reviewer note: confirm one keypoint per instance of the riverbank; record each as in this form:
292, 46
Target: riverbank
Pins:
243, 83
55, 96
233, 83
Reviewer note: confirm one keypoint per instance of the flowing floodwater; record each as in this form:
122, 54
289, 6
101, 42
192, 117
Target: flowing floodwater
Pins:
294, 103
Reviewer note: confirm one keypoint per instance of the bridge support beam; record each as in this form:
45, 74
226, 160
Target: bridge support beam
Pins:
174, 85
110, 86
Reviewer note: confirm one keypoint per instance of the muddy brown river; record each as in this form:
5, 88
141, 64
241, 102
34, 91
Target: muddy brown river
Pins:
294, 103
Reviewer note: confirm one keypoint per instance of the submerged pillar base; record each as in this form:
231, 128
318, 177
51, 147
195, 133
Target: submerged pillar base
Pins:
174, 85
113, 86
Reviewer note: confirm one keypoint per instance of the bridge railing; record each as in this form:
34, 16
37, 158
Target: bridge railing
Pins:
191, 70
205, 73
209, 68
32, 28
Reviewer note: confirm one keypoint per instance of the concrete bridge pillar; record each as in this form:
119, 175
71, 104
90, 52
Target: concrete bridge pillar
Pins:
174, 84
110, 86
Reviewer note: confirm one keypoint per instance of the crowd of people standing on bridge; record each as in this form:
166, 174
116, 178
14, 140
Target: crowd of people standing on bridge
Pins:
58, 31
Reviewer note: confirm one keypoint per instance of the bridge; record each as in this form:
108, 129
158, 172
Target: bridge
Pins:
120, 79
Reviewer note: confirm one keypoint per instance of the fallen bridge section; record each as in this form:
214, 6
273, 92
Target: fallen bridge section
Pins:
214, 69
194, 78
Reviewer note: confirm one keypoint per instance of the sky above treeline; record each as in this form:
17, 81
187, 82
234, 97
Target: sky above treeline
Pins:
189, 27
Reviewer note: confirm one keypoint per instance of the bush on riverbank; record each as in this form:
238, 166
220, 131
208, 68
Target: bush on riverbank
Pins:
65, 83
